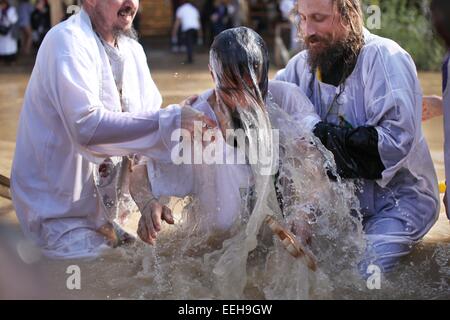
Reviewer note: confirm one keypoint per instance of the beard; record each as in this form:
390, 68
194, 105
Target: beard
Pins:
331, 53
126, 32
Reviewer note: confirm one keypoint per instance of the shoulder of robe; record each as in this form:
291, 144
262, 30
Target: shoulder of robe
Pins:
281, 90
288, 95
385, 54
282, 86
295, 69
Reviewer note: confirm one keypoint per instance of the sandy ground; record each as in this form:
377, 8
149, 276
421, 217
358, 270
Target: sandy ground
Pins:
176, 81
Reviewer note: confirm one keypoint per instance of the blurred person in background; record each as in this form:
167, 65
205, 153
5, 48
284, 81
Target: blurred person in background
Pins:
239, 13
8, 43
25, 10
206, 12
188, 18
220, 17
287, 8
40, 22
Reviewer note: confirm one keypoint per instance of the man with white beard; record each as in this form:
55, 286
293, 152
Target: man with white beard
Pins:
90, 101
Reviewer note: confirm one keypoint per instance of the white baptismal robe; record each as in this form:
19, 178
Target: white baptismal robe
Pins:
384, 92
72, 118
222, 190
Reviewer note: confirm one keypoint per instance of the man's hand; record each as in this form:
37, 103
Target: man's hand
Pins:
189, 101
152, 216
431, 107
189, 116
192, 120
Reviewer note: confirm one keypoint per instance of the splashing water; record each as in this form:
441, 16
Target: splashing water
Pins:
247, 261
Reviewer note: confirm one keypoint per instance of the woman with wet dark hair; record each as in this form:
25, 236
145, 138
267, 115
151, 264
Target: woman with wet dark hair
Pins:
239, 64
243, 100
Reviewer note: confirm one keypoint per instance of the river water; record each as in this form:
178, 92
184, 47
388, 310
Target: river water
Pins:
172, 270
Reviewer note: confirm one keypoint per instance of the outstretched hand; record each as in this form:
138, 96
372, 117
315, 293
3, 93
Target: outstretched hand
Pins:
192, 120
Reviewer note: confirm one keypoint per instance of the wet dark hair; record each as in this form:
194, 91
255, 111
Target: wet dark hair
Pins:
238, 55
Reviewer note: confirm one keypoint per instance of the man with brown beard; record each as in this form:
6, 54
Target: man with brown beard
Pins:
366, 91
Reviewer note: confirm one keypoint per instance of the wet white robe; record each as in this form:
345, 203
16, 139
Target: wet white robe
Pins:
383, 91
222, 189
71, 119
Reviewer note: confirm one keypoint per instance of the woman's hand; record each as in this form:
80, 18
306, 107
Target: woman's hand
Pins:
152, 211
152, 216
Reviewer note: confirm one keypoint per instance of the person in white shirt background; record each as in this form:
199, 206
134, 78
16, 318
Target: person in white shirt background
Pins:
287, 8
90, 104
8, 43
188, 18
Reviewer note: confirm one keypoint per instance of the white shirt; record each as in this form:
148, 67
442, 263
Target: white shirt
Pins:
71, 119
8, 44
189, 17
446, 106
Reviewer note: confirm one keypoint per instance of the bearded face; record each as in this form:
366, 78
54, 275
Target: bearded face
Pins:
327, 38
324, 53
115, 17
